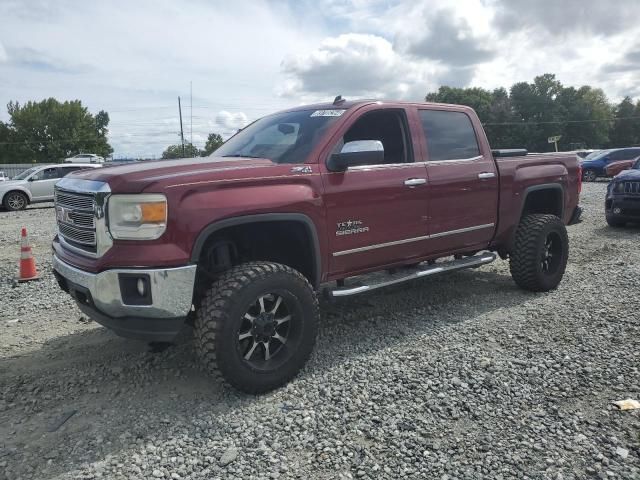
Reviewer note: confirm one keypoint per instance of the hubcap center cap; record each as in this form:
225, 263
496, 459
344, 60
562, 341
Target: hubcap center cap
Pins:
264, 326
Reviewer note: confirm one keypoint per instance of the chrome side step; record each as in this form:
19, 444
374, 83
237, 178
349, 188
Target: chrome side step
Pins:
383, 279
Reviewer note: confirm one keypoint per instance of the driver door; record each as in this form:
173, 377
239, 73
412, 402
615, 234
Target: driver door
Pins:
377, 213
41, 183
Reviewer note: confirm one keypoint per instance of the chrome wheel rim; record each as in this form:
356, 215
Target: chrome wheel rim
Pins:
589, 176
16, 201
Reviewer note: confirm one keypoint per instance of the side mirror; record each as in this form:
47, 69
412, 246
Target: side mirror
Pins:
358, 152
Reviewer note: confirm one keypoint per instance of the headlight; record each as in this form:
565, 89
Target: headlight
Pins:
618, 187
137, 217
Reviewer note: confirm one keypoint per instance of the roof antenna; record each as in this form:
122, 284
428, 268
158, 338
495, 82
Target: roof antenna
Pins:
338, 100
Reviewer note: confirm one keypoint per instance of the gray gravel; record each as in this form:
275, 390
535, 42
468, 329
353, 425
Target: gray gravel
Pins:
447, 378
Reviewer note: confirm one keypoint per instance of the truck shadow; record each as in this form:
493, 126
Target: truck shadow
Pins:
123, 393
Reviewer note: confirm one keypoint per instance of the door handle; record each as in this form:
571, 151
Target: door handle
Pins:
486, 175
412, 182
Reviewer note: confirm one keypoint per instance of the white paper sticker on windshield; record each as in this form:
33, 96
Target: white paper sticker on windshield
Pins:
327, 113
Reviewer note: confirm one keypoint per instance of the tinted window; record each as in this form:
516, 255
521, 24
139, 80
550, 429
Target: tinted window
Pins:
629, 154
385, 126
450, 135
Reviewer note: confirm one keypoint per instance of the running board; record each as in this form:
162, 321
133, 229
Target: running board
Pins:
424, 269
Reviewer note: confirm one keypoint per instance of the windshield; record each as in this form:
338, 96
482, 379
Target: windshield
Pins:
636, 164
285, 137
26, 173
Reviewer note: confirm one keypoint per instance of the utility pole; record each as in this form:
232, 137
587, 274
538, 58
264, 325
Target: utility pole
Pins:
181, 131
191, 109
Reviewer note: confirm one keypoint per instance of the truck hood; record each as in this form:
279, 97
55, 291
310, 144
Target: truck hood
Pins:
154, 175
628, 175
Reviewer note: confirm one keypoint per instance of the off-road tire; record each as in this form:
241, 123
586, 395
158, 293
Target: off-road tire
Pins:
526, 259
220, 315
615, 222
10, 205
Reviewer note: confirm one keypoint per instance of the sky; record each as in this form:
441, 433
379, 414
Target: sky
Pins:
242, 60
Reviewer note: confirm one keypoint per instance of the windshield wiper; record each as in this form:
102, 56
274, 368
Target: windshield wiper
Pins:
240, 156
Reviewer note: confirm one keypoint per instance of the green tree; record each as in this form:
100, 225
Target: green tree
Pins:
49, 131
626, 129
529, 113
588, 117
175, 151
214, 140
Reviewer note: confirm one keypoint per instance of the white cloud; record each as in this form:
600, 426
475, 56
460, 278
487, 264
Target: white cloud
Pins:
355, 65
231, 122
253, 58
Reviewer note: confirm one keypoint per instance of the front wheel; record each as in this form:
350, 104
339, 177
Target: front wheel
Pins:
15, 201
257, 325
540, 253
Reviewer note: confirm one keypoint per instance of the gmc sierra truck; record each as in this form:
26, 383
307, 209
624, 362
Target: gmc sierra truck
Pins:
339, 198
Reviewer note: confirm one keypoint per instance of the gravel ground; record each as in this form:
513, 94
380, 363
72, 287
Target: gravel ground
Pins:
446, 378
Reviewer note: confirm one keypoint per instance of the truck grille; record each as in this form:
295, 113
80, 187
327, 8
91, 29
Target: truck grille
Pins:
76, 219
632, 188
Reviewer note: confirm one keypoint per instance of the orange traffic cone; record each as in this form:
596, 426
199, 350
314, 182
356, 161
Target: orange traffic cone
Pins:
27, 262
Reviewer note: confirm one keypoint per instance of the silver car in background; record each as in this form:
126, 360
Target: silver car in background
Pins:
35, 184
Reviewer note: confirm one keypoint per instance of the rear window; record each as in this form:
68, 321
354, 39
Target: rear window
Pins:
450, 135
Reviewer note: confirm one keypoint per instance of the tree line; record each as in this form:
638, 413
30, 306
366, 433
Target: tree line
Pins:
49, 131
529, 113
214, 140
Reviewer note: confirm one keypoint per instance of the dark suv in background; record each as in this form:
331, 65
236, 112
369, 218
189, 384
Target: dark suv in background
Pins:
596, 167
622, 204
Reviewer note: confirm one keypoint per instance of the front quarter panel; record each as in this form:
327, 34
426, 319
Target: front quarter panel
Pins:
194, 206
22, 187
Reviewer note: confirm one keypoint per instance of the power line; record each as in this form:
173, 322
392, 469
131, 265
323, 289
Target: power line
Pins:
555, 122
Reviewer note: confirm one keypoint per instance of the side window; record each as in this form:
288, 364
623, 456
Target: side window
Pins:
630, 154
46, 174
617, 155
450, 135
388, 127
50, 173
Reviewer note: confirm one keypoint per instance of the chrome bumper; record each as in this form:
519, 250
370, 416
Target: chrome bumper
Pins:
171, 290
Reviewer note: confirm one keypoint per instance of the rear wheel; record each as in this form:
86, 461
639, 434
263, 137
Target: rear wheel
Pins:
589, 175
540, 253
15, 201
257, 325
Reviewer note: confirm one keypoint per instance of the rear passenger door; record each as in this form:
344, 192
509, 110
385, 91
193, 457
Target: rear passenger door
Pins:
463, 182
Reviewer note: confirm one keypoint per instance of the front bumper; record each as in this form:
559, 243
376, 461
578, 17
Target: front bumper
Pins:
100, 296
629, 207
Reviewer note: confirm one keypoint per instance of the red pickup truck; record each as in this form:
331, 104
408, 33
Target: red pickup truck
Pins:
340, 198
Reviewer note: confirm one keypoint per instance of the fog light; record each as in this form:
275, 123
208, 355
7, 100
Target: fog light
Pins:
140, 286
617, 210
135, 289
